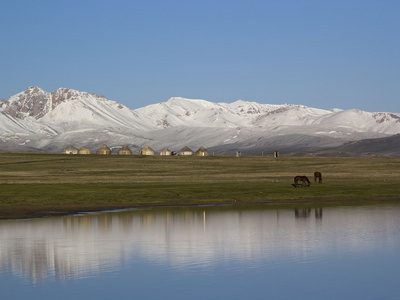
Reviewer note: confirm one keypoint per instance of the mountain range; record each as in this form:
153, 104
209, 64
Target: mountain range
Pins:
36, 120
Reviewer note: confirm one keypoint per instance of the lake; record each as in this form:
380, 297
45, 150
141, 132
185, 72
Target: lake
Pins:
212, 252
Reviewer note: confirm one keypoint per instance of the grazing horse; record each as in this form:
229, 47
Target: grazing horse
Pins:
304, 179
319, 176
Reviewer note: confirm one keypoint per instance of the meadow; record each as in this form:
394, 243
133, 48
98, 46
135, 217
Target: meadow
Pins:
44, 184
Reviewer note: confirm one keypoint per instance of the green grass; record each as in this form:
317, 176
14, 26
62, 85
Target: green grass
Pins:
37, 179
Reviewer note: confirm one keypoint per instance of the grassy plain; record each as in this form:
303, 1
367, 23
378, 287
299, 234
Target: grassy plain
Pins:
40, 184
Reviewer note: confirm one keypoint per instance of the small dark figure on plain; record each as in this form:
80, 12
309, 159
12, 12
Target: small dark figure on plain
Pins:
318, 175
304, 179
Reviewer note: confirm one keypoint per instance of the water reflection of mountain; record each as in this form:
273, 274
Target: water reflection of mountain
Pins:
79, 246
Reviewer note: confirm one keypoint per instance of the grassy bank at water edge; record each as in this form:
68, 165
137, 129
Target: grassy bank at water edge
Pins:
39, 184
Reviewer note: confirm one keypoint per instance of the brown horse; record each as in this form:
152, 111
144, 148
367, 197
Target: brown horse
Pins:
319, 176
304, 179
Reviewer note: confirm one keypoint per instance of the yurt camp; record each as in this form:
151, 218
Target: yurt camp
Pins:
84, 150
201, 152
124, 151
146, 150
165, 151
185, 151
70, 150
104, 150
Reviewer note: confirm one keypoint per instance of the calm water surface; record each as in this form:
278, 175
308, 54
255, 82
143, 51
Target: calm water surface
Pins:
249, 252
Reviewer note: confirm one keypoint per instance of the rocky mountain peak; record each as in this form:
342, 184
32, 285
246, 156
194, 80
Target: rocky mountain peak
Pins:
35, 102
31, 102
63, 94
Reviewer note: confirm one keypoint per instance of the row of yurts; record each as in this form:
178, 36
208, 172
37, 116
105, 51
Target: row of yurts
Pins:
146, 150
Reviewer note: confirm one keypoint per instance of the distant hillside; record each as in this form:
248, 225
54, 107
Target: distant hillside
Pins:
384, 147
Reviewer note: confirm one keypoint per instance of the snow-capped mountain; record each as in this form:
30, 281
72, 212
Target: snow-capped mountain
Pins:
43, 121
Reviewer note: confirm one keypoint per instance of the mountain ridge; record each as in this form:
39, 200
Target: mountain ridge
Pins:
50, 121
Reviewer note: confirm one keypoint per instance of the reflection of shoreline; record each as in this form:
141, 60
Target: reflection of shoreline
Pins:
306, 213
79, 246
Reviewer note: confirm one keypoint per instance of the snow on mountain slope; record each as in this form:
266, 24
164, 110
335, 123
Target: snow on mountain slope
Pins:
70, 109
91, 111
362, 121
189, 112
76, 110
201, 113
35, 119
277, 118
296, 115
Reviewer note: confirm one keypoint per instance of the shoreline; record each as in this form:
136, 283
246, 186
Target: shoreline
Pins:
37, 185
22, 212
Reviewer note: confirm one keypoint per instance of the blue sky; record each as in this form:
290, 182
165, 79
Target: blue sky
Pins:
320, 53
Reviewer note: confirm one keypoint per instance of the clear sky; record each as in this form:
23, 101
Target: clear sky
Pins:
320, 53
